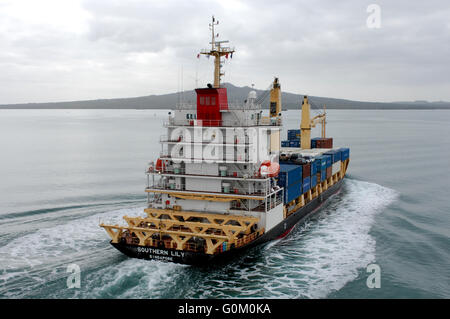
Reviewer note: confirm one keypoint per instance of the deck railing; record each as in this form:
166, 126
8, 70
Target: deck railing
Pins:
264, 121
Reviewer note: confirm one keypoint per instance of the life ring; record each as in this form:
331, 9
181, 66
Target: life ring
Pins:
270, 169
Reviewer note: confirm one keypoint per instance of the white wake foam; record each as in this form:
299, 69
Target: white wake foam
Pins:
132, 278
35, 255
318, 258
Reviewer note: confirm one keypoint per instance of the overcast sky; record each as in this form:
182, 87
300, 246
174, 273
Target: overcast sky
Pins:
63, 50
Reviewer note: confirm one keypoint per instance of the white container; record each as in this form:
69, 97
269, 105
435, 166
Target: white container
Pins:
176, 168
336, 168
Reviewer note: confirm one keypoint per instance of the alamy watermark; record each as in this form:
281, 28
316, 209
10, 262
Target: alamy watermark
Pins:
374, 279
74, 279
374, 19
230, 145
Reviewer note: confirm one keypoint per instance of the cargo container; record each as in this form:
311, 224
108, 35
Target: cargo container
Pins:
330, 153
284, 143
336, 167
328, 160
345, 153
318, 162
321, 163
314, 142
306, 170
313, 180
324, 142
293, 134
314, 167
292, 192
294, 143
306, 184
335, 155
289, 174
297, 174
329, 170
323, 175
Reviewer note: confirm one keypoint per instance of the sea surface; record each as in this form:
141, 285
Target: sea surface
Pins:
64, 171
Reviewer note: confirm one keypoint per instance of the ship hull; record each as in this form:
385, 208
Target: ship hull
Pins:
197, 258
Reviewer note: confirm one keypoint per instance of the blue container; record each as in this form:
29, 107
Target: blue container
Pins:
313, 142
323, 175
289, 174
313, 180
296, 174
318, 161
328, 160
284, 143
335, 155
292, 192
293, 134
294, 143
321, 163
314, 167
331, 155
306, 184
345, 153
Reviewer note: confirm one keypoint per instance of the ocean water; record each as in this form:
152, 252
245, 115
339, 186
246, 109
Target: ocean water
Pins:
63, 171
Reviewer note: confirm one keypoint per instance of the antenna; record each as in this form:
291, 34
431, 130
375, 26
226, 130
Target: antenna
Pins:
217, 51
182, 90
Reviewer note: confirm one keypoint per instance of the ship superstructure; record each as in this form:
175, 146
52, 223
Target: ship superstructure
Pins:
220, 184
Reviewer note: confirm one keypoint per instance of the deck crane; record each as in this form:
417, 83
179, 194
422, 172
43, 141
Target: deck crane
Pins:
307, 123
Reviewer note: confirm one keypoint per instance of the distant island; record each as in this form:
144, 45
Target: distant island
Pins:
235, 94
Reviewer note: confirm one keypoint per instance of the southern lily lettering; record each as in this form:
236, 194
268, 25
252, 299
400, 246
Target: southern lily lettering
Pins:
160, 252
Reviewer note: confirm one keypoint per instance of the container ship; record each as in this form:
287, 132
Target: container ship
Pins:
224, 181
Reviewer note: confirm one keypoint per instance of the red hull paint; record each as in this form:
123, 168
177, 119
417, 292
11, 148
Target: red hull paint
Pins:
285, 233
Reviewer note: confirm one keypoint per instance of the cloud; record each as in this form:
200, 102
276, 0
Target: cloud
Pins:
73, 50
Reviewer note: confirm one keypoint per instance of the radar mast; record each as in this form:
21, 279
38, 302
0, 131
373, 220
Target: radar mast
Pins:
217, 51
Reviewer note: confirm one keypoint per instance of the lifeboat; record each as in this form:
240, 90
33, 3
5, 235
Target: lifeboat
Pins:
269, 168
